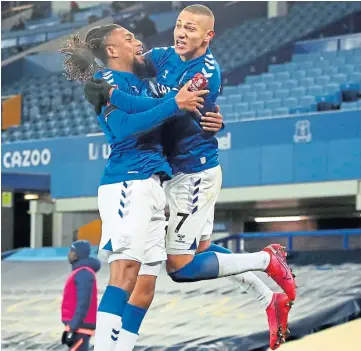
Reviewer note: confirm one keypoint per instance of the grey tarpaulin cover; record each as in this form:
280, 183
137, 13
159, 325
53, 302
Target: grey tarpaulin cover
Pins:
211, 315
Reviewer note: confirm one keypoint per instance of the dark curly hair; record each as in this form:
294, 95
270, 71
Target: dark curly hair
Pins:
80, 64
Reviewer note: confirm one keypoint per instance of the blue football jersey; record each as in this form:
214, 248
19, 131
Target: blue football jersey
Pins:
189, 149
134, 138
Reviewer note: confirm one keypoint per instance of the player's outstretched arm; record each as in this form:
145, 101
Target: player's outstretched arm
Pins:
99, 92
123, 124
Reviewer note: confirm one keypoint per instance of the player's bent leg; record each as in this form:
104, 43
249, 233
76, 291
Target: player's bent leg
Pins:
123, 276
137, 306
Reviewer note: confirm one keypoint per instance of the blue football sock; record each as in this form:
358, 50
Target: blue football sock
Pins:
132, 319
109, 318
203, 266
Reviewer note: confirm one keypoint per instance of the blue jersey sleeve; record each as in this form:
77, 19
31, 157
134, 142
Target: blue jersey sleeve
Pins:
122, 124
133, 104
153, 59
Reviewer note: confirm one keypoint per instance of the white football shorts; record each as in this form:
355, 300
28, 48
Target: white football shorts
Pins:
191, 199
133, 220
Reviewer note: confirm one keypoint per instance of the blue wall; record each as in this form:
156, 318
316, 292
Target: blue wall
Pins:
311, 148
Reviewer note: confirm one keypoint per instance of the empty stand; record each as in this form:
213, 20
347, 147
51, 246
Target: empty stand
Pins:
310, 83
255, 37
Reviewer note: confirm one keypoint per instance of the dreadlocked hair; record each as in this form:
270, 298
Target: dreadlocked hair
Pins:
79, 63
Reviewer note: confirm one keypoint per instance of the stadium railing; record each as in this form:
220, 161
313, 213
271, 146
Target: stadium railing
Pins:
240, 239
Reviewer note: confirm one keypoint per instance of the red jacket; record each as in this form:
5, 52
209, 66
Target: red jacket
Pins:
79, 306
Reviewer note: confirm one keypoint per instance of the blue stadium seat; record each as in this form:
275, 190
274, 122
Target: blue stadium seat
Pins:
330, 98
298, 74
314, 72
321, 64
353, 59
290, 84
298, 92
226, 109
273, 104
283, 111
282, 94
282, 76
330, 71
232, 117
265, 95
228, 90
34, 112
354, 78
306, 82
267, 78
234, 99
222, 100
305, 65
276, 68
256, 105
307, 101
244, 88
250, 97
252, 79
351, 87
28, 134
273, 86
322, 80
247, 114
93, 128
315, 90
349, 105
290, 102
241, 107
264, 113
331, 88
258, 87
339, 78
299, 109
347, 69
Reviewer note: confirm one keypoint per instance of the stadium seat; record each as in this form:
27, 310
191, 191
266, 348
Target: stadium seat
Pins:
282, 76
339, 78
241, 107
266, 95
331, 88
307, 101
290, 102
334, 99
234, 99
256, 105
315, 90
247, 114
250, 97
264, 113
252, 79
222, 100
273, 104
283, 111
298, 92
306, 82
282, 94
267, 78
258, 87
226, 109
314, 72
322, 80
228, 90
290, 84
350, 105
273, 86
299, 109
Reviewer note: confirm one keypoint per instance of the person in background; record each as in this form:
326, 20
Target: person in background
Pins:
79, 306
